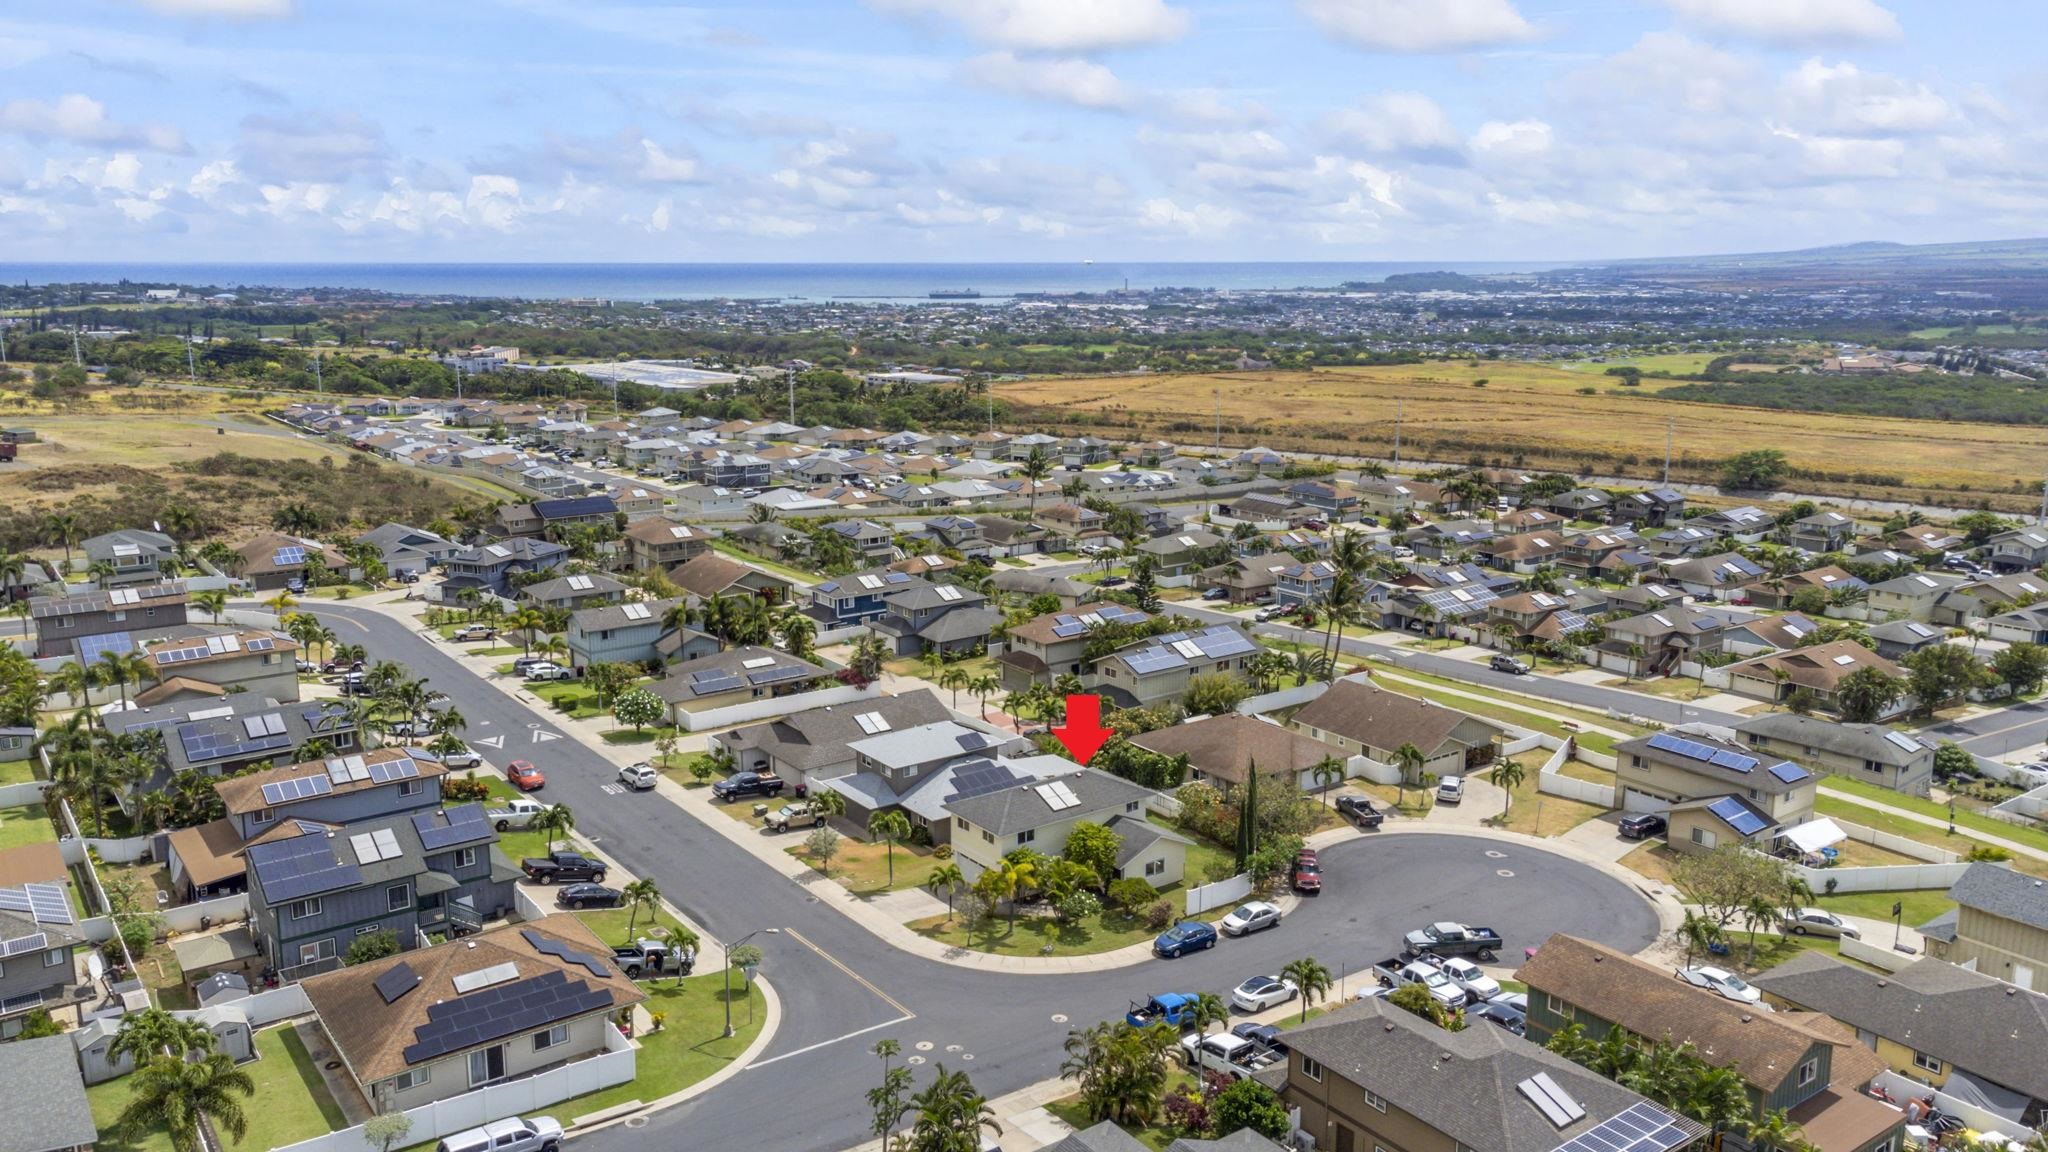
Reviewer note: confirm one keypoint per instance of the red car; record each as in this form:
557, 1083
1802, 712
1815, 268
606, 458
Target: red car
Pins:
1308, 872
524, 776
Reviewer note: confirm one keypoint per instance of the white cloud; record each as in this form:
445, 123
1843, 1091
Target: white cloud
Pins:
493, 202
660, 167
1162, 214
122, 172
1066, 80
1844, 99
232, 9
1513, 138
1054, 25
1407, 123
1790, 21
81, 119
310, 148
1420, 25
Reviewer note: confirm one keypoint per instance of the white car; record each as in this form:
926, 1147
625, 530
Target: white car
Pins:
1469, 976
1820, 922
1720, 980
547, 671
466, 758
1262, 992
638, 777
1450, 790
1249, 918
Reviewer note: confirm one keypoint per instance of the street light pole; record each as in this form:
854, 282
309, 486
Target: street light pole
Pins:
726, 949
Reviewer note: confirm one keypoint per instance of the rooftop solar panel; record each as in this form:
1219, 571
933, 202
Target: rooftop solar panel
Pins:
1641, 1128
35, 942
300, 867
1734, 761
711, 683
447, 827
1789, 772
777, 675
502, 1010
1732, 812
397, 982
548, 946
394, 770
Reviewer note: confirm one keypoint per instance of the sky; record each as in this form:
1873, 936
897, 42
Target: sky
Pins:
1001, 130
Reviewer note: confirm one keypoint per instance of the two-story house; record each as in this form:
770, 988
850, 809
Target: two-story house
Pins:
942, 618
1451, 541
1663, 770
1965, 1033
136, 556
657, 543
859, 597
1799, 1063
37, 946
1824, 531
1684, 540
1828, 580
1362, 719
583, 590
1160, 669
1818, 669
1654, 508
813, 745
1070, 521
1040, 814
916, 769
1745, 523
961, 534
1369, 1076
630, 634
2020, 550
1177, 559
873, 542
85, 624
1656, 643
1999, 926
255, 660
1248, 578
408, 551
1331, 502
1304, 583
1720, 576
1007, 537
1913, 595
225, 736
1581, 504
1516, 622
1044, 648
1884, 756
489, 569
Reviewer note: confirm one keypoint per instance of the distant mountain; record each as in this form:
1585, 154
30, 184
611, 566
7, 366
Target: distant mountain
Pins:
1423, 282
1867, 255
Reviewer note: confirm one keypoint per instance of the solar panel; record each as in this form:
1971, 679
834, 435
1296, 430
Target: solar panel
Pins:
397, 982
547, 946
777, 675
90, 647
1069, 630
503, 1010
1731, 811
394, 770
14, 900
638, 612
447, 827
300, 867
1054, 799
285, 557
35, 942
1641, 1128
486, 977
1789, 772
365, 848
979, 778
1551, 1099
710, 683
1147, 661
1735, 761
872, 723
947, 592
1902, 741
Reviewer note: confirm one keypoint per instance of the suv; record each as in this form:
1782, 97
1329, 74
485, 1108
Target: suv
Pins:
540, 1134
1450, 790
1642, 826
1509, 665
741, 784
548, 671
639, 777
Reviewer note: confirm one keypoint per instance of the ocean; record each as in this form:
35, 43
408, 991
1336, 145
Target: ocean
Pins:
808, 282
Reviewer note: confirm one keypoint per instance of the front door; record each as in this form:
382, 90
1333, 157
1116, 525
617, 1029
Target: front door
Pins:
486, 1066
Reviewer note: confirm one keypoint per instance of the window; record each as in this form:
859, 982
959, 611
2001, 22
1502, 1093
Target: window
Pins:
549, 1037
1926, 1063
366, 929
1155, 867
1554, 1005
466, 858
411, 787
397, 898
960, 822
56, 956
1375, 1102
1311, 1069
1637, 762
316, 951
1704, 837
1027, 836
262, 816
1131, 807
988, 836
305, 909
486, 1065
1807, 1072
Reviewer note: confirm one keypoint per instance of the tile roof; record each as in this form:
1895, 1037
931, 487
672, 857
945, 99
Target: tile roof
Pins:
638, 613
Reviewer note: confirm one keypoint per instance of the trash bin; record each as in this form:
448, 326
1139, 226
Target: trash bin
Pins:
760, 810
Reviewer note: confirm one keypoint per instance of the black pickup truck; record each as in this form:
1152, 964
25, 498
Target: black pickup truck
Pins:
1447, 938
746, 784
1360, 811
558, 866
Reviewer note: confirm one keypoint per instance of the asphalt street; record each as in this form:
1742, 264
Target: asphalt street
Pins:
841, 988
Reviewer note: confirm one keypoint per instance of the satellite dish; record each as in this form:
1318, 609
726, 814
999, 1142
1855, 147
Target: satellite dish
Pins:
95, 966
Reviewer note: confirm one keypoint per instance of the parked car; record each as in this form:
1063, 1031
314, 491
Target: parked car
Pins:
1450, 790
1183, 938
653, 958
1394, 972
518, 812
1262, 992
558, 866
741, 784
1519, 1001
1820, 922
1721, 981
547, 671
1642, 825
1113, 581
1267, 1034
1450, 938
524, 776
1505, 1016
540, 1134
801, 814
1216, 594
470, 632
1308, 872
1465, 974
463, 757
1174, 1008
1360, 811
576, 896
1227, 1054
521, 663
1509, 665
1246, 919
638, 777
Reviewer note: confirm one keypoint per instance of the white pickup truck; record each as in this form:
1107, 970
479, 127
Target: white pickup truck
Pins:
1395, 972
1234, 1056
518, 812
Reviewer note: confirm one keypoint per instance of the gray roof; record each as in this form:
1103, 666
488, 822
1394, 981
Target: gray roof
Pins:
610, 616
926, 595
1034, 583
1174, 543
1016, 809
1460, 1083
820, 736
1915, 633
218, 731
1865, 741
561, 588
1738, 767
2004, 893
924, 744
49, 1109
387, 537
281, 871
1995, 1030
715, 674
1242, 1140
961, 624
1137, 835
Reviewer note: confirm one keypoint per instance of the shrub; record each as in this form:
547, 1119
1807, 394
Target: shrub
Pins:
465, 789
1186, 1114
1158, 916
1078, 906
943, 852
1129, 894
1987, 854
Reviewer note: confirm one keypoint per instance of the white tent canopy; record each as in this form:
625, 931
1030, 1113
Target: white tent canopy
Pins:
1816, 834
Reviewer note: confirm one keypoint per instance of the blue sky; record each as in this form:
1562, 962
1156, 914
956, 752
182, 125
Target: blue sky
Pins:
799, 130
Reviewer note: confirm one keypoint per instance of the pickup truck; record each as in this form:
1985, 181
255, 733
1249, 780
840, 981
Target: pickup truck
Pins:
1234, 1056
1396, 971
1360, 811
1465, 974
746, 784
518, 812
1174, 1008
654, 958
798, 815
1447, 938
557, 866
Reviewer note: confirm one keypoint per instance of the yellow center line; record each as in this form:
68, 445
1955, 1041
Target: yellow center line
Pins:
855, 976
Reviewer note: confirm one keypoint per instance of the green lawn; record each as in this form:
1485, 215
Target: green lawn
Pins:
27, 824
1920, 906
1536, 814
691, 1044
610, 924
2032, 835
290, 1104
580, 700
1204, 858
17, 772
1038, 936
1898, 825
863, 868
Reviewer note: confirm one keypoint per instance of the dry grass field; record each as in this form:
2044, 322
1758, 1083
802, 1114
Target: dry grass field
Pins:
1539, 415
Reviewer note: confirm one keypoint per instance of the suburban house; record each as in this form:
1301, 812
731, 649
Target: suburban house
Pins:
1369, 1076
657, 543
430, 1024
1269, 512
1362, 719
1160, 668
1824, 531
1999, 926
1047, 647
583, 590
709, 500
136, 556
2021, 625
734, 676
1656, 643
255, 660
1800, 1062
943, 618
872, 542
489, 570
812, 745
1819, 669
1721, 576
1007, 537
566, 511
1392, 499
858, 597
1304, 582
84, 624
1528, 618
1637, 599
1221, 750
1605, 554
1872, 752
1913, 595
1655, 508
1332, 502
1071, 593
311, 894
1450, 540
1683, 540
710, 575
47, 1110
628, 634
916, 770
1898, 639
1746, 524
770, 539
1248, 578
1070, 521
273, 560
38, 945
1965, 1033
1925, 539
1763, 634
1040, 814
408, 551
1177, 558
1829, 580
1581, 504
2020, 550
221, 737
1679, 766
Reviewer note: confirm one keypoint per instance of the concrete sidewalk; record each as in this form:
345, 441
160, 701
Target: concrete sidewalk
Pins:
2013, 846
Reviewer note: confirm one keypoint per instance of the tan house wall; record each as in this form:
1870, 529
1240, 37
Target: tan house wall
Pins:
1340, 1116
450, 1077
2003, 949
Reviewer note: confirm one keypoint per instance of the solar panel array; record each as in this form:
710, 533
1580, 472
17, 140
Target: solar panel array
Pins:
200, 649
778, 675
372, 847
1902, 741
1067, 626
257, 734
1738, 817
397, 982
447, 827
504, 1010
300, 867
1057, 796
1704, 753
1642, 1128
21, 1003
34, 942
1552, 1100
872, 723
90, 648
300, 788
390, 770
548, 946
581, 583
947, 592
1789, 773
289, 556
979, 778
712, 681
468, 982
1733, 761
638, 612
43, 903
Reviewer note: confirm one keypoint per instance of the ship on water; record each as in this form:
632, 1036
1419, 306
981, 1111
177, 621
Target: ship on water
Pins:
955, 294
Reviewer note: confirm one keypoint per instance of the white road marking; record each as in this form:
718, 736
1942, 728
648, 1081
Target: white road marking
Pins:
825, 1043
490, 741
541, 737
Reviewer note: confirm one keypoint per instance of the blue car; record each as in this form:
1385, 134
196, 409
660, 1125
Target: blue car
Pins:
1184, 937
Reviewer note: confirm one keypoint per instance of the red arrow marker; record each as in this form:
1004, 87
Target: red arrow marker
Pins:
1083, 733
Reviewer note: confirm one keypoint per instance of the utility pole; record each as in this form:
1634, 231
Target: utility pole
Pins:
990, 392
191, 362
2044, 480
77, 355
1667, 452
1397, 433
319, 381
791, 374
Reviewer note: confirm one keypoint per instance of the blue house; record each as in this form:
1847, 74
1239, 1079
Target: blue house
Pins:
860, 597
490, 569
1304, 583
631, 634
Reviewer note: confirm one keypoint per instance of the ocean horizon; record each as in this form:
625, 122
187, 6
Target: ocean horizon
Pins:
810, 282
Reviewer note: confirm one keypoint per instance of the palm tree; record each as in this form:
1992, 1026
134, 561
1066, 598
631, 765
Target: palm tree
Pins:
981, 688
1570, 1042
153, 1032
1340, 602
528, 623
76, 680
955, 679
797, 632
282, 603
174, 1094
122, 669
1616, 1055
101, 571
555, 822
829, 801
297, 519
1309, 666
62, 528
1698, 933
1327, 773
1208, 1009
946, 878
13, 565
1776, 1130
180, 523
1410, 761
1755, 914
1716, 1097
1509, 775
951, 1116
1036, 467
213, 602
889, 825
636, 896
1311, 977
1008, 880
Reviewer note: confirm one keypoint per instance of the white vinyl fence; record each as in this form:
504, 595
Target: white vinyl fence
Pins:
276, 1004
1977, 1119
1284, 698
1883, 878
1552, 780
1876, 956
1218, 894
15, 795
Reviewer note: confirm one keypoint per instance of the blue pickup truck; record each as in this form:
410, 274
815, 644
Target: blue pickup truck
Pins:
1176, 1009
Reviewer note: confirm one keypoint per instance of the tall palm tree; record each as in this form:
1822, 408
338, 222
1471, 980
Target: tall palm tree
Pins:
1776, 1130
1341, 601
555, 822
636, 896
1759, 912
1716, 1097
213, 602
1509, 775
1327, 773
889, 825
174, 1094
122, 669
1311, 977
13, 565
950, 1116
1208, 1009
981, 688
528, 622
282, 602
1410, 761
62, 528
1036, 467
153, 1032
101, 571
954, 678
946, 878
75, 679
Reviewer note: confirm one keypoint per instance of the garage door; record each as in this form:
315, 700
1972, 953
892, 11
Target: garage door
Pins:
1634, 801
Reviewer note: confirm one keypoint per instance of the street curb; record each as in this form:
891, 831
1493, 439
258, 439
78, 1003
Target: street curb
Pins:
771, 1020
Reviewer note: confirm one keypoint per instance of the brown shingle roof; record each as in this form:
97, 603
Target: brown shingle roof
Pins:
1226, 746
41, 863
1821, 667
245, 793
1379, 718
372, 1036
708, 574
211, 853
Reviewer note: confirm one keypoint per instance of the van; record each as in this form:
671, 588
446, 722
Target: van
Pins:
540, 1134
1450, 790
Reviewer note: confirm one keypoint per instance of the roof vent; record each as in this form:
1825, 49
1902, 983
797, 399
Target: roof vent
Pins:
1746, 1018
1388, 1026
